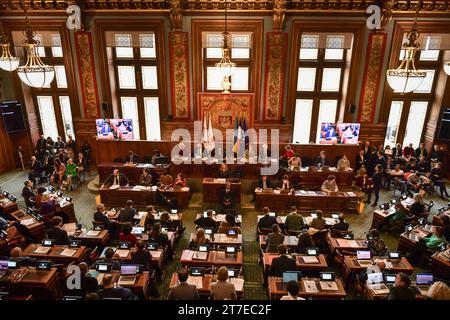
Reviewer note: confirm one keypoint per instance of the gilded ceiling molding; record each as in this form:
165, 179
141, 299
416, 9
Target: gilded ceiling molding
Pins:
279, 10
176, 15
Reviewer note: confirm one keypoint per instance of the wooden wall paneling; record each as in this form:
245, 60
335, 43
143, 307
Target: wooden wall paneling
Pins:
375, 133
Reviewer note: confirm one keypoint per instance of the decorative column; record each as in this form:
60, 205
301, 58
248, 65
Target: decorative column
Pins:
275, 65
179, 64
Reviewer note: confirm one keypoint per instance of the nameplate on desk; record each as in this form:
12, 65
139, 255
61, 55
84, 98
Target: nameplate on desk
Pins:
68, 252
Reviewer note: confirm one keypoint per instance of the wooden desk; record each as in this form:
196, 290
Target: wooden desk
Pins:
212, 187
133, 173
118, 198
55, 255
273, 200
36, 228
66, 209
289, 241
321, 265
180, 196
42, 284
347, 245
215, 259
340, 202
313, 180
7, 206
440, 264
372, 295
436, 217
379, 217
139, 287
276, 290
219, 218
157, 256
221, 239
408, 241
206, 281
88, 240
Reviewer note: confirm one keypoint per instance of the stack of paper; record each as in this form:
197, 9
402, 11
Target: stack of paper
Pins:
114, 187
308, 259
197, 281
328, 286
238, 283
92, 233
68, 252
310, 286
351, 194
27, 222
42, 250
200, 255
187, 255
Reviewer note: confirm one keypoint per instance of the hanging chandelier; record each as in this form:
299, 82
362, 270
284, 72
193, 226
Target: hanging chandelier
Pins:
34, 73
406, 78
225, 65
7, 61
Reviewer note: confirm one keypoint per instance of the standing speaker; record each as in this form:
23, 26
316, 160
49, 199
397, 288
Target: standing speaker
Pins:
352, 108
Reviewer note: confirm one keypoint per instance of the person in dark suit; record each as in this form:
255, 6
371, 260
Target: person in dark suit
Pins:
282, 263
206, 222
40, 145
224, 173
322, 160
367, 149
111, 258
101, 216
401, 290
141, 256
266, 221
126, 214
16, 255
146, 178
436, 154
131, 157
437, 176
47, 162
421, 151
274, 239
264, 183
183, 290
162, 199
57, 233
341, 225
116, 179
109, 291
35, 169
88, 284
377, 184
59, 144
360, 160
226, 197
28, 193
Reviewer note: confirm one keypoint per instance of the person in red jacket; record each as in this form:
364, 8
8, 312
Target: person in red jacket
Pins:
126, 235
409, 151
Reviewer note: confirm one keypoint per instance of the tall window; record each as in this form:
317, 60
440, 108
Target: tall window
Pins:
240, 54
412, 108
319, 83
136, 80
53, 102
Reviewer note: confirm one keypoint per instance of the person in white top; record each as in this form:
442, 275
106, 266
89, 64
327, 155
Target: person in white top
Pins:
292, 288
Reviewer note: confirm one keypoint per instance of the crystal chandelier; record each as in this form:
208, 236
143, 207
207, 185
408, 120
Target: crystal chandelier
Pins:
34, 73
226, 66
7, 61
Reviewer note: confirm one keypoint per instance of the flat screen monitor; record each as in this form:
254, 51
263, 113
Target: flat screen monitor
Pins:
114, 129
12, 116
328, 134
348, 133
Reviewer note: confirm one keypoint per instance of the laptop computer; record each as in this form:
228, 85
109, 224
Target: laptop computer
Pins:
375, 282
364, 258
390, 279
128, 274
152, 246
335, 216
74, 243
423, 282
328, 281
48, 242
314, 215
12, 264
124, 245
101, 270
291, 276
230, 250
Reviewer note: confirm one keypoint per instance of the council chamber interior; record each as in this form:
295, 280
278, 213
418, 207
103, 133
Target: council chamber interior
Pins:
224, 150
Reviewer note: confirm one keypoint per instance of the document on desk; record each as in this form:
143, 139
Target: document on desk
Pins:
68, 252
156, 253
351, 194
185, 189
197, 255
238, 283
92, 233
123, 253
27, 222
328, 286
347, 243
42, 250
197, 281
114, 187
221, 180
308, 259
310, 286
187, 255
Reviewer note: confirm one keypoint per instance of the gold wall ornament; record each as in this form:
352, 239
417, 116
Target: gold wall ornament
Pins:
279, 11
387, 12
176, 15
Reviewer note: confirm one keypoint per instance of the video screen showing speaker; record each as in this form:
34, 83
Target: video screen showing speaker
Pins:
12, 116
114, 129
328, 133
444, 131
348, 133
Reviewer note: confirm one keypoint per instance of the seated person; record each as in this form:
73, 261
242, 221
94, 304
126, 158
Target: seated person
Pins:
156, 154
150, 217
266, 221
423, 166
101, 215
341, 225
81, 162
421, 151
35, 169
418, 208
146, 178
199, 239
376, 245
264, 183
141, 256
126, 235
166, 221
16, 255
401, 289
438, 291
59, 171
295, 163
157, 236
180, 181
127, 214
229, 223
414, 183
47, 205
222, 289
110, 257
437, 238
293, 289
436, 154
400, 216
294, 220
162, 199
116, 179
319, 223
343, 163
226, 197
88, 283
131, 158
287, 154
274, 239
437, 176
397, 176
206, 222
110, 290
183, 290
330, 185
285, 183
39, 196
71, 171
445, 223
322, 160
224, 173
282, 263
28, 193
57, 233
305, 241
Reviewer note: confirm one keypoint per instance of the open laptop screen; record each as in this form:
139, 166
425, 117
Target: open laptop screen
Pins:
424, 278
290, 276
128, 269
375, 277
363, 255
390, 278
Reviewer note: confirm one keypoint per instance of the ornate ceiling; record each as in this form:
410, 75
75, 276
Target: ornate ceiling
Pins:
189, 7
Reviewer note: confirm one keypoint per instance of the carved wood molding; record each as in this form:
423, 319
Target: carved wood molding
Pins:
198, 6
